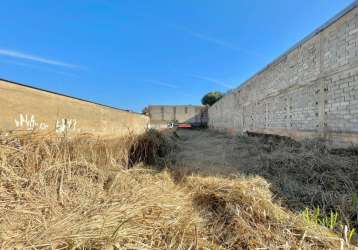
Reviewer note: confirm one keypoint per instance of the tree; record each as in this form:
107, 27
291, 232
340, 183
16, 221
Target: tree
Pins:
211, 97
145, 111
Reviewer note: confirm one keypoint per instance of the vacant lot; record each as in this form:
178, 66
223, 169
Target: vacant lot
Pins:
301, 175
182, 190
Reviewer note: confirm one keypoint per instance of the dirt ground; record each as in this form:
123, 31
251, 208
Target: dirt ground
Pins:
211, 153
301, 174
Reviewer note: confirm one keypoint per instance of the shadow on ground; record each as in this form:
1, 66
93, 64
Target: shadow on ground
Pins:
302, 174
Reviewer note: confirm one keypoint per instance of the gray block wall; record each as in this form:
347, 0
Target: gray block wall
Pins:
310, 91
164, 114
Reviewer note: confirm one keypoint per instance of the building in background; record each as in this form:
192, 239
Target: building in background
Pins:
162, 115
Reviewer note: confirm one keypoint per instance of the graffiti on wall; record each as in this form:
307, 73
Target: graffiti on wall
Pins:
66, 125
28, 122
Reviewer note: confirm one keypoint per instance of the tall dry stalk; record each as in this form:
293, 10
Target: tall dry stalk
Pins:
79, 193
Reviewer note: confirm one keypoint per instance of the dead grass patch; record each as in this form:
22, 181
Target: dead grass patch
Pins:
89, 193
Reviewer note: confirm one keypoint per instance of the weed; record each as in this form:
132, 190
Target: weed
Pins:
351, 233
354, 200
329, 221
87, 192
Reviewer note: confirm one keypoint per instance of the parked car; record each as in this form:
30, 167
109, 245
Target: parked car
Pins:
185, 125
179, 125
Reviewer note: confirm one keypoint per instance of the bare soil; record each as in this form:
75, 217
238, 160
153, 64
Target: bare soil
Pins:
301, 174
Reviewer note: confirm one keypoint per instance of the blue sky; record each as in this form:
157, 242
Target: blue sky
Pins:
131, 53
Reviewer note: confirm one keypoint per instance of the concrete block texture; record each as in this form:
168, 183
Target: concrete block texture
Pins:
310, 91
164, 114
23, 108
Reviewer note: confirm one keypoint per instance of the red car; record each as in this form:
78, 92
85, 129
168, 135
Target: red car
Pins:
184, 125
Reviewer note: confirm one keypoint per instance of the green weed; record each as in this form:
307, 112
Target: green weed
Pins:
351, 233
330, 221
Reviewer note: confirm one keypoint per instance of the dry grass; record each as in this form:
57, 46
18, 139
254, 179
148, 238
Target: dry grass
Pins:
301, 175
91, 193
310, 175
240, 214
76, 193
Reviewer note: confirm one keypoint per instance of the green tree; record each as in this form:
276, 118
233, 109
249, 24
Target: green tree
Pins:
211, 97
145, 111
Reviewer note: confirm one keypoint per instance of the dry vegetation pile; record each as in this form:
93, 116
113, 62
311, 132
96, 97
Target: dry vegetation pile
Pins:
90, 193
309, 175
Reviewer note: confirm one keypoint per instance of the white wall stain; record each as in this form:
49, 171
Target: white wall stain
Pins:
29, 122
66, 125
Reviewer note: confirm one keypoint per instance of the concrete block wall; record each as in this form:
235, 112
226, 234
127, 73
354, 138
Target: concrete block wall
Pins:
161, 115
23, 108
310, 91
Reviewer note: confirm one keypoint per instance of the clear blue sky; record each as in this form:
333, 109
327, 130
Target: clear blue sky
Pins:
131, 53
